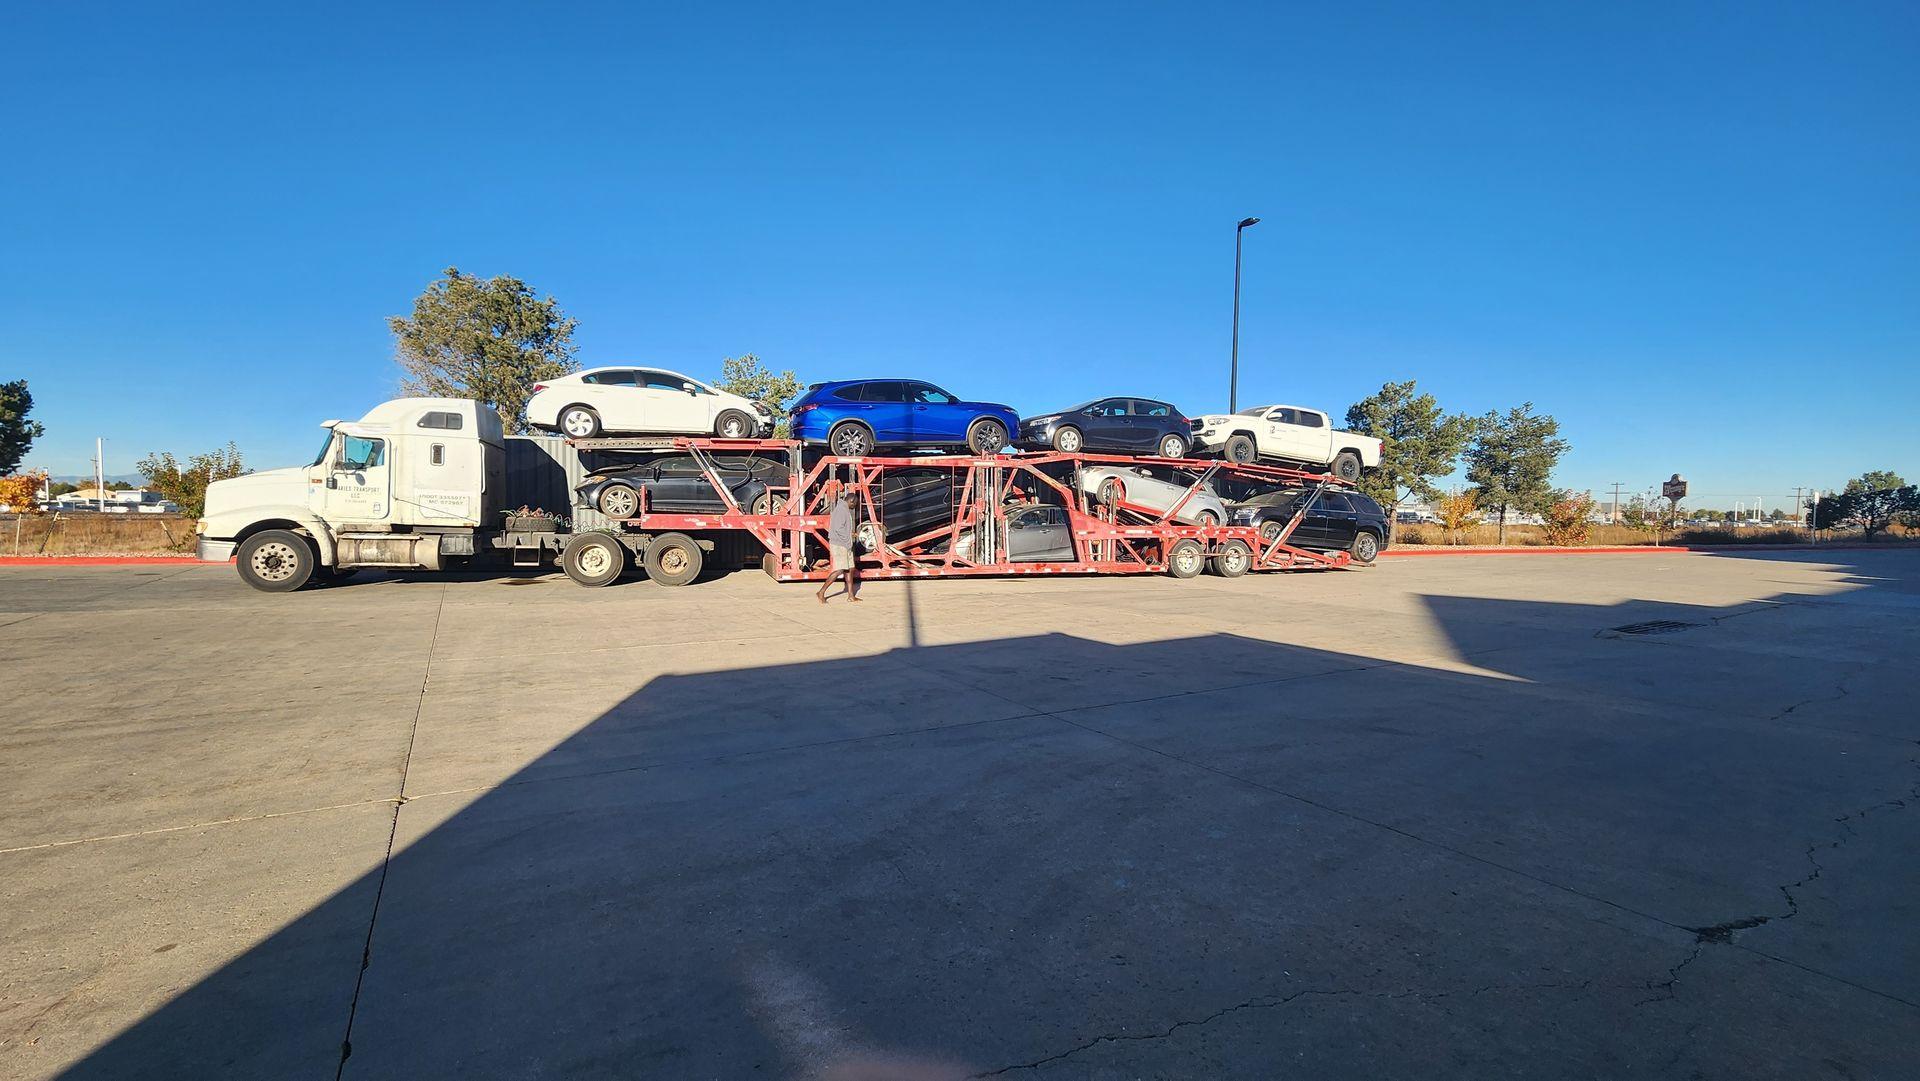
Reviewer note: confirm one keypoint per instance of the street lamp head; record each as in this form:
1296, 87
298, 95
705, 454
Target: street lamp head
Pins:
1244, 222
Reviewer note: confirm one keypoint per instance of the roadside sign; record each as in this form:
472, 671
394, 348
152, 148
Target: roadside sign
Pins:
1674, 489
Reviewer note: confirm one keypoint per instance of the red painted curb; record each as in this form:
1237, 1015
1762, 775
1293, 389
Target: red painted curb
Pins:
1641, 549
94, 561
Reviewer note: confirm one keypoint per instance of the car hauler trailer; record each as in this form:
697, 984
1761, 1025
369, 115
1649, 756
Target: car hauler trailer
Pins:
1013, 514
430, 483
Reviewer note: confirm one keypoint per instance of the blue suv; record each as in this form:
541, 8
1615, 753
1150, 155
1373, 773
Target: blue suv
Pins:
854, 416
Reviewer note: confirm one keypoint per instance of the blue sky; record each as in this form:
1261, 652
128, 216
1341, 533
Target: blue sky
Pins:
1691, 233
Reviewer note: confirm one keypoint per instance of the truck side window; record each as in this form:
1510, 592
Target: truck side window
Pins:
440, 419
439, 454
361, 453
1309, 420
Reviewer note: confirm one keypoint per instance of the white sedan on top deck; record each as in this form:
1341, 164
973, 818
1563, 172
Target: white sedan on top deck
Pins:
633, 400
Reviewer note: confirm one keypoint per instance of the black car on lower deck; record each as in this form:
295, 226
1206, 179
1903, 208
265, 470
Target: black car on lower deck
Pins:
1111, 426
678, 484
1337, 520
911, 501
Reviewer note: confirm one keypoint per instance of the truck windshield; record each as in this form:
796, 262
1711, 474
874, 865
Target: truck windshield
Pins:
324, 444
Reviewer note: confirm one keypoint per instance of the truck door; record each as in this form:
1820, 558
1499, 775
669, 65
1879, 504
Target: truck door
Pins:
354, 483
1291, 434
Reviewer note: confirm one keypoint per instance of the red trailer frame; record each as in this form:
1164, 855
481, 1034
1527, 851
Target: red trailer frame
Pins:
1109, 537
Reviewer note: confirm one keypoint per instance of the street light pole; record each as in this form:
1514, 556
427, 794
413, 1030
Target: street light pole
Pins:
1233, 383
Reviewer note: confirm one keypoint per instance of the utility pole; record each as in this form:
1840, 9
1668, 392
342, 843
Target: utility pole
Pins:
1616, 502
100, 472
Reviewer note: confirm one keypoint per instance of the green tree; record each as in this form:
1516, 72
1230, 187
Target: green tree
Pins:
17, 433
746, 376
187, 485
1873, 501
1417, 443
489, 340
1510, 460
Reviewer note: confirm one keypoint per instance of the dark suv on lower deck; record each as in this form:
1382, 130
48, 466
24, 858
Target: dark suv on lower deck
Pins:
1337, 520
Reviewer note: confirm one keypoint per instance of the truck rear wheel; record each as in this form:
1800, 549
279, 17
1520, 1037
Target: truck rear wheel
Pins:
673, 559
276, 561
1346, 466
594, 559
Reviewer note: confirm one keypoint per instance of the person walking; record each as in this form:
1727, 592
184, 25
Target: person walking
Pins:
840, 546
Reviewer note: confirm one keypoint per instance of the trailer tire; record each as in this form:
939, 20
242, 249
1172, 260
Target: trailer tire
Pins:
1232, 560
276, 561
1186, 558
1346, 466
987, 437
850, 439
594, 559
1240, 449
579, 422
1068, 440
673, 559
733, 424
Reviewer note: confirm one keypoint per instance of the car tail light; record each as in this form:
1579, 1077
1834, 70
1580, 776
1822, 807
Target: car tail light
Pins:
799, 409
538, 387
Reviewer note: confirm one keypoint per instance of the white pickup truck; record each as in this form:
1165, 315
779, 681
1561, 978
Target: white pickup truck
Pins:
1286, 433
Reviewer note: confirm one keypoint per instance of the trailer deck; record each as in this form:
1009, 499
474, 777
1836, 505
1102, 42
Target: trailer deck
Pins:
994, 500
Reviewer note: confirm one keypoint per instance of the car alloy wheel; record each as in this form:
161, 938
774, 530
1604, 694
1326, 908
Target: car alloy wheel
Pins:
850, 441
619, 501
1067, 441
988, 438
1173, 447
1365, 548
767, 503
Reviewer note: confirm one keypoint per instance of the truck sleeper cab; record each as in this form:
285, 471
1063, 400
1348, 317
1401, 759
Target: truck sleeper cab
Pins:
409, 485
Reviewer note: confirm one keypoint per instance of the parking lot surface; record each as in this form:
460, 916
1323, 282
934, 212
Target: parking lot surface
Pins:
1614, 816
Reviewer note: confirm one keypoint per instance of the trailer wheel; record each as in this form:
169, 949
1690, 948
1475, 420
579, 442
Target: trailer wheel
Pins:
276, 561
1232, 560
619, 501
850, 439
1240, 449
673, 559
580, 422
1346, 466
594, 559
733, 424
1186, 558
1173, 446
1067, 440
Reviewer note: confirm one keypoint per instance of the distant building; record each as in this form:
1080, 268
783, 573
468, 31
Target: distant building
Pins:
130, 501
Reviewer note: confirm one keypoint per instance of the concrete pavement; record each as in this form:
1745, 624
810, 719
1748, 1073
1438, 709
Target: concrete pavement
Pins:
1437, 818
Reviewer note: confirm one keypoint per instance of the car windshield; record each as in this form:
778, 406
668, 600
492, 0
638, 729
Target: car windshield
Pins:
1254, 411
324, 444
1083, 406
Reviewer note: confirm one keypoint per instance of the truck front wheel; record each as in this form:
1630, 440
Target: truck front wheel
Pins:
1239, 448
594, 559
276, 561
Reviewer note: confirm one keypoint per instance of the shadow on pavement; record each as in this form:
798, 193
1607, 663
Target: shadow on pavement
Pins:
1173, 858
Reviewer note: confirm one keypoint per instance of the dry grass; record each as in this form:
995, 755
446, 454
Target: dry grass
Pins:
96, 534
1603, 535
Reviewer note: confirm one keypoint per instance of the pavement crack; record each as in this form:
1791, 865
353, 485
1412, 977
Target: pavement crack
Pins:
1664, 990
393, 832
1270, 1002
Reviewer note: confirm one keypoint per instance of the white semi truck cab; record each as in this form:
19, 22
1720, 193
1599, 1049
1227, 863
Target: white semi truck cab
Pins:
413, 484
